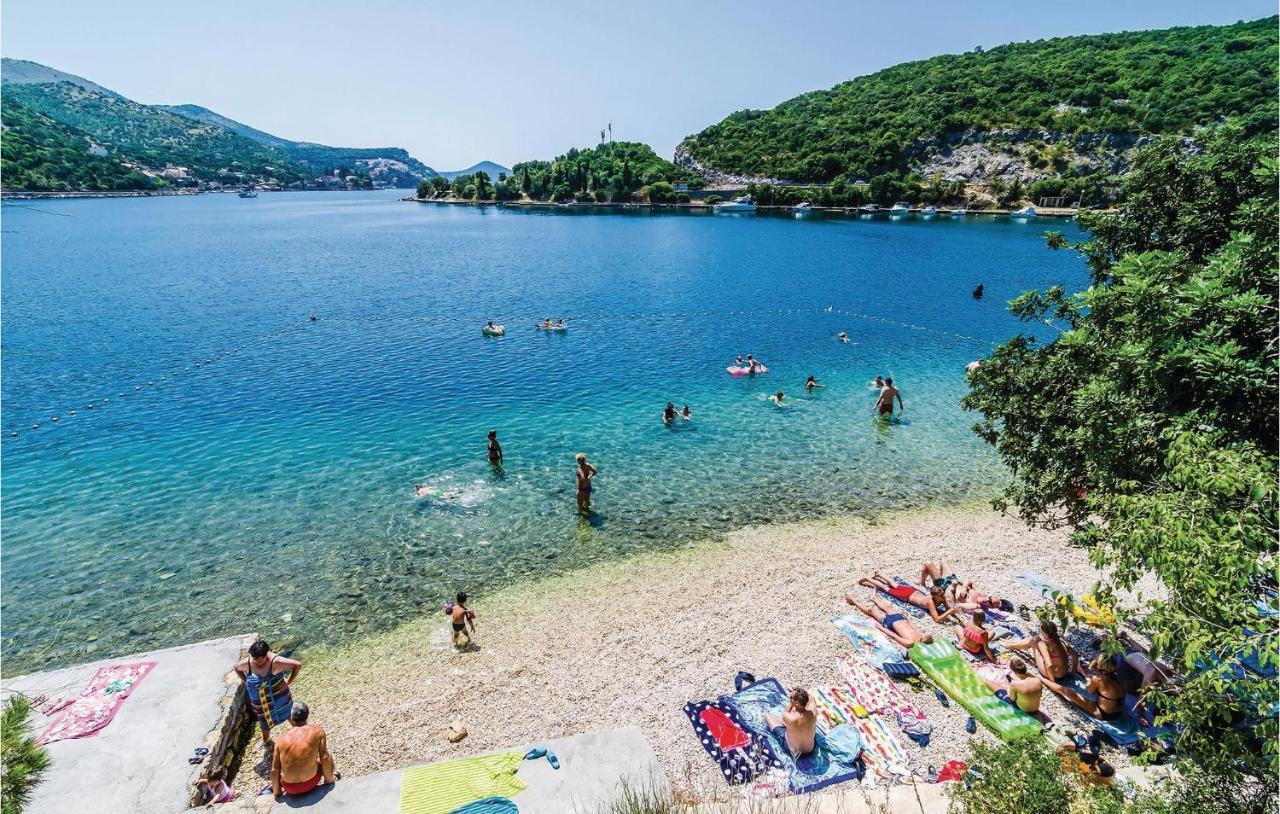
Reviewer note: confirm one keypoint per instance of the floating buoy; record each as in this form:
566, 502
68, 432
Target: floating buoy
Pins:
71, 412
13, 434
119, 395
137, 387
106, 401
88, 406
35, 426
53, 418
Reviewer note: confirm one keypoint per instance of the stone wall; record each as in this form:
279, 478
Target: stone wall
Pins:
231, 734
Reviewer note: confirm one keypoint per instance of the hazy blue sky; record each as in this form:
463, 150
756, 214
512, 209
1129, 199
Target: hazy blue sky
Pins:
459, 82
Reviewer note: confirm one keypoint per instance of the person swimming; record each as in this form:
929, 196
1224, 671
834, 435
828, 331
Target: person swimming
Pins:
669, 414
811, 383
977, 292
685, 415
777, 399
842, 336
878, 384
738, 362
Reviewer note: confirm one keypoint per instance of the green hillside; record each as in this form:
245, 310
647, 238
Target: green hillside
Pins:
43, 155
1168, 81
612, 171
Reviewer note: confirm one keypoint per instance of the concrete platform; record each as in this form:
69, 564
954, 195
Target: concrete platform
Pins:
593, 767
138, 763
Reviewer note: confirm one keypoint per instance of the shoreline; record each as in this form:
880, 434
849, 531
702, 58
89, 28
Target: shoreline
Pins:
1063, 213
628, 642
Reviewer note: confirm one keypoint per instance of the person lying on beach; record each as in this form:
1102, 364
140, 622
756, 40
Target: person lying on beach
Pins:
1054, 658
669, 414
301, 760
462, 617
811, 383
1019, 687
894, 625
935, 601
975, 638
264, 672
213, 787
800, 722
884, 402
940, 571
777, 399
970, 597
1103, 683
585, 472
495, 449
685, 415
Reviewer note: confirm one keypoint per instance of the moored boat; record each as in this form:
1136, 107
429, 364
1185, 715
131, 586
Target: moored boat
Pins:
1027, 211
900, 208
740, 204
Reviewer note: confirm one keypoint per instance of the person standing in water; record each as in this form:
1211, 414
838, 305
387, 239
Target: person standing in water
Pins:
461, 617
495, 449
585, 472
685, 415
753, 364
884, 404
878, 383
977, 292
669, 414
811, 383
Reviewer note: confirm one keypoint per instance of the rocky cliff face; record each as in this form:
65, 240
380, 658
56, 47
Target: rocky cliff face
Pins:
715, 177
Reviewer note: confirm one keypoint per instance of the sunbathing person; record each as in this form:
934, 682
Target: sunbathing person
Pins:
970, 597
975, 638
940, 571
896, 626
935, 601
800, 721
1019, 688
1103, 683
301, 760
1054, 658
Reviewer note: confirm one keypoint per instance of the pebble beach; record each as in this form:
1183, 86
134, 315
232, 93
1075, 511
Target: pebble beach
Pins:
628, 642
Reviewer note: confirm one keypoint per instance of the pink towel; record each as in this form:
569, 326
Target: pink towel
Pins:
98, 704
874, 690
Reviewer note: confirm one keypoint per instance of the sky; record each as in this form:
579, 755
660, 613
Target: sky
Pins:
457, 83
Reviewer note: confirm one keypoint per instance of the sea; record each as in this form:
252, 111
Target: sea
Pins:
224, 415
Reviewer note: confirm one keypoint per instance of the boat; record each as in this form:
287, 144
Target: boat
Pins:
801, 208
1027, 211
248, 192
959, 211
871, 208
740, 204
929, 211
900, 208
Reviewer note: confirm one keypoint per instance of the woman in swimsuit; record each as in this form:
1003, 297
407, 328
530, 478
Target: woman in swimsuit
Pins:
911, 595
495, 449
1106, 687
974, 638
894, 625
585, 473
1054, 658
668, 414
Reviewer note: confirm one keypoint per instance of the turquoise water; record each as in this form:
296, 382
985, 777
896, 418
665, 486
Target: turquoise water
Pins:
244, 468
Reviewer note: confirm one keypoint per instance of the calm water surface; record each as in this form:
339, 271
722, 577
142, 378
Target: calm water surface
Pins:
243, 468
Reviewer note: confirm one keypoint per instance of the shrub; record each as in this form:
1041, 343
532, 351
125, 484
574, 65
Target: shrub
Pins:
22, 762
714, 199
682, 197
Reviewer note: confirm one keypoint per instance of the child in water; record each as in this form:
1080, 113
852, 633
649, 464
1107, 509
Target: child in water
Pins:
812, 383
777, 398
685, 415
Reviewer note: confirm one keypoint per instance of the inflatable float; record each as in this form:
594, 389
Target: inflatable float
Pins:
496, 330
736, 370
552, 327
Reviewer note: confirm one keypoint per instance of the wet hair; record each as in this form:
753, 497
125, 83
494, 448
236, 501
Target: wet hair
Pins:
979, 618
493, 433
779, 394
889, 380
580, 457
811, 379
801, 696
258, 649
1019, 667
927, 638
461, 597
298, 717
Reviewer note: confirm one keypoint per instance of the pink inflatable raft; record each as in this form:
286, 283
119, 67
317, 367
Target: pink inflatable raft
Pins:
737, 371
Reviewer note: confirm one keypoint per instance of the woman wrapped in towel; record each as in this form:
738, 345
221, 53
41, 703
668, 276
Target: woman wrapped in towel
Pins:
267, 676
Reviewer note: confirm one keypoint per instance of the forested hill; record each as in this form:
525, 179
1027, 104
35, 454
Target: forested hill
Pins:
1082, 91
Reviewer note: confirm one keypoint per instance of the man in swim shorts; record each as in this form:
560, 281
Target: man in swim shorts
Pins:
585, 473
753, 364
884, 404
669, 414
894, 625
301, 760
800, 721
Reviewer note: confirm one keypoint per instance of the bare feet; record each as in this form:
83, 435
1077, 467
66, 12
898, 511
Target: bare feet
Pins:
849, 598
866, 583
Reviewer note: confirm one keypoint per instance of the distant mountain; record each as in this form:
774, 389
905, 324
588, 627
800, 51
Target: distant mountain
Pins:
488, 166
186, 145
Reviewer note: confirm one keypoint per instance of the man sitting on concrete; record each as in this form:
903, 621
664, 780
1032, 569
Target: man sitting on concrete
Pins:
301, 757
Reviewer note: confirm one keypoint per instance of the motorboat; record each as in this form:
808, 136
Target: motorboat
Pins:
900, 208
248, 192
929, 211
959, 211
740, 204
871, 208
1027, 211
802, 208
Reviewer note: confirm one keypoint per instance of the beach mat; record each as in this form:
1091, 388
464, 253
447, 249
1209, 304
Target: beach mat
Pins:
714, 723
87, 715
868, 640
874, 691
882, 751
811, 772
439, 788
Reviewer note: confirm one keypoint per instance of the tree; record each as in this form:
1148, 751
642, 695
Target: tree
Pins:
424, 189
483, 187
1148, 424
22, 761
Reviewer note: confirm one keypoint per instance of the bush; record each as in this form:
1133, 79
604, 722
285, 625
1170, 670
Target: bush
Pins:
583, 197
660, 192
602, 196
682, 197
714, 199
22, 762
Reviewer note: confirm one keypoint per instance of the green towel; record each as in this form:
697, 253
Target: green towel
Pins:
441, 787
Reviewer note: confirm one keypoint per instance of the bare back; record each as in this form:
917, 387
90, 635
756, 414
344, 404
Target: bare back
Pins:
802, 724
298, 752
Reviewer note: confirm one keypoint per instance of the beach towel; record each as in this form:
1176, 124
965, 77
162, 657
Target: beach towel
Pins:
1040, 585
882, 751
440, 788
270, 693
876, 692
98, 703
867, 639
1085, 608
805, 773
721, 732
489, 805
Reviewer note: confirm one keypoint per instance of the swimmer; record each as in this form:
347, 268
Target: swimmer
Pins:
560, 322
884, 402
314, 317
777, 399
685, 415
842, 336
738, 362
878, 383
812, 383
669, 414
977, 292
753, 364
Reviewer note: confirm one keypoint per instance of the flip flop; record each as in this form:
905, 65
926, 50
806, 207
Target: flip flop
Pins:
942, 698
971, 726
553, 760
1024, 612
535, 753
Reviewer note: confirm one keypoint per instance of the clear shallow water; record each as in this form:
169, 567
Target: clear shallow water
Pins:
271, 488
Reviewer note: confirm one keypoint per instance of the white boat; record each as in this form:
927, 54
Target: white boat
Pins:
1027, 211
802, 207
929, 211
740, 204
872, 208
248, 192
959, 211
900, 208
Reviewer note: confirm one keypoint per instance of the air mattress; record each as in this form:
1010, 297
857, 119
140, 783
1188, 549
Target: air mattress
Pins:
944, 665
